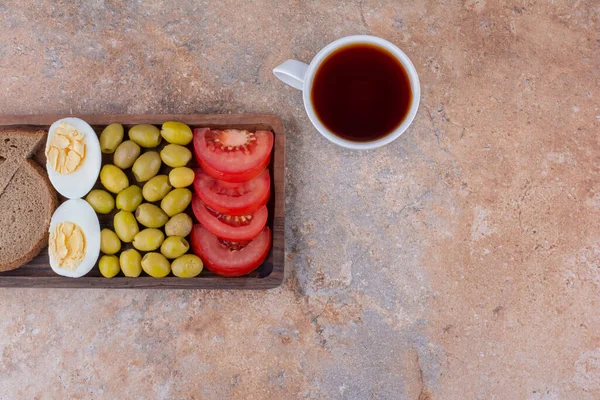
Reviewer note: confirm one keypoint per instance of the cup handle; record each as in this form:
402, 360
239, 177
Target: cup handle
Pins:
292, 72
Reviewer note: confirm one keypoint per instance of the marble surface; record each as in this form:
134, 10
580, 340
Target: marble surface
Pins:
460, 262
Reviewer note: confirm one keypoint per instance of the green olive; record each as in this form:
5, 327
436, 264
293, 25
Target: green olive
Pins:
131, 263
101, 201
113, 179
176, 132
129, 199
174, 246
126, 226
156, 265
179, 225
145, 135
181, 177
187, 266
126, 154
156, 188
175, 155
109, 266
146, 166
109, 242
151, 216
149, 239
176, 201
111, 137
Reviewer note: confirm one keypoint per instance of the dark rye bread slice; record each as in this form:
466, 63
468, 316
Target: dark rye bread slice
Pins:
20, 143
15, 146
26, 207
27, 200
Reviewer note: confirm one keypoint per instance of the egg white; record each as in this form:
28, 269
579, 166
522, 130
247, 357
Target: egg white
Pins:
80, 182
81, 213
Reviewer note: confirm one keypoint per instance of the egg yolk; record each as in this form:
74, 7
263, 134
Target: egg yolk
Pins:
67, 245
66, 149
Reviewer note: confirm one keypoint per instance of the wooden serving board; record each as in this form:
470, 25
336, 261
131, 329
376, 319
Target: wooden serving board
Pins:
270, 274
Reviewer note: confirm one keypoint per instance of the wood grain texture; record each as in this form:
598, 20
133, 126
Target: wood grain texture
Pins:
269, 275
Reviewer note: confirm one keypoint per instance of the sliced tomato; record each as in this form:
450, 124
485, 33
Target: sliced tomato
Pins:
226, 259
241, 177
233, 155
233, 198
229, 227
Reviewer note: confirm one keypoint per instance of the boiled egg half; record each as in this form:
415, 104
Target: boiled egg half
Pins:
73, 157
74, 241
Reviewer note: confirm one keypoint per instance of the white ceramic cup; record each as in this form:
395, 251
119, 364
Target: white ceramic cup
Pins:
300, 76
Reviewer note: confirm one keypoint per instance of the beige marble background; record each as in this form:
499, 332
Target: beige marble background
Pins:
460, 262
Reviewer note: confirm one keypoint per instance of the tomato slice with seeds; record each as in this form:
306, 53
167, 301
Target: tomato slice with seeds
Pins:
229, 227
232, 155
227, 259
233, 198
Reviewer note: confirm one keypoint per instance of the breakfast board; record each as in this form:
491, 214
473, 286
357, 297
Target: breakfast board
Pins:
37, 273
